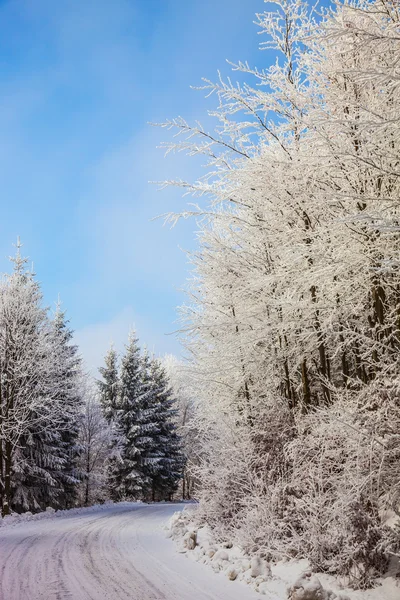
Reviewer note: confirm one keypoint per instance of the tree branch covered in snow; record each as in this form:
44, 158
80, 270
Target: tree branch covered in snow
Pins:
292, 323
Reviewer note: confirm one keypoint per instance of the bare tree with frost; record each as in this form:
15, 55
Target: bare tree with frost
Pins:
186, 395
100, 442
293, 325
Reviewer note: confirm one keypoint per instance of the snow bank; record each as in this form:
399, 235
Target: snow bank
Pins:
284, 580
309, 587
50, 512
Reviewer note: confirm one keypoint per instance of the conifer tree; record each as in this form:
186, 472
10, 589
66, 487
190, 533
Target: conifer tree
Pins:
71, 397
110, 401
32, 392
109, 385
127, 480
147, 426
48, 472
138, 401
165, 467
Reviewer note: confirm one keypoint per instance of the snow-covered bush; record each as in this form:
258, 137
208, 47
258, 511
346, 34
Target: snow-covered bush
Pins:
308, 587
341, 475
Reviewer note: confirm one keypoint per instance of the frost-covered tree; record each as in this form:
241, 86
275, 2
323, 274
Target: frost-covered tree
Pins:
293, 326
110, 401
148, 463
109, 385
33, 392
72, 401
147, 427
127, 479
99, 444
186, 395
164, 464
47, 472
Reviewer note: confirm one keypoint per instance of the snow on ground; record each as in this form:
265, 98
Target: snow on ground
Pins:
291, 580
109, 552
50, 513
121, 552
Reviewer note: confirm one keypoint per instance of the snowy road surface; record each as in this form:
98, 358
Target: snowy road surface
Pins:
116, 553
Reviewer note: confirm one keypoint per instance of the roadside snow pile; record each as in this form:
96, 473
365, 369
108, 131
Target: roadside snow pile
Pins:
284, 580
308, 587
50, 512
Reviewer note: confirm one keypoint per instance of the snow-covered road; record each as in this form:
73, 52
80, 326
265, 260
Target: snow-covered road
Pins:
114, 553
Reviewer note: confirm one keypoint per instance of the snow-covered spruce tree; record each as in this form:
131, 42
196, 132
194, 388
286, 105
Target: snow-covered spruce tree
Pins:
163, 463
71, 399
294, 324
109, 385
127, 479
110, 402
48, 474
148, 461
147, 428
31, 388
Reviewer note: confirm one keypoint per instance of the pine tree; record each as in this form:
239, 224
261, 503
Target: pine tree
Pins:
127, 479
32, 392
109, 386
47, 456
110, 401
165, 464
139, 402
71, 397
148, 427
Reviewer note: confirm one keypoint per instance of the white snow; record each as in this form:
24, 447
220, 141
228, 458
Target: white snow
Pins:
121, 552
111, 552
284, 580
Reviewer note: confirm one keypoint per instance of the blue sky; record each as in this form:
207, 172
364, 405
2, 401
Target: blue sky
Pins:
80, 80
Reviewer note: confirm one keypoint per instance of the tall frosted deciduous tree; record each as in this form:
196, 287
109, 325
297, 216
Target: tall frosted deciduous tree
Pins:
99, 445
31, 386
293, 321
181, 381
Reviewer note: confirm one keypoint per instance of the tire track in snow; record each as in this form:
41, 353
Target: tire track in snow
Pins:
116, 553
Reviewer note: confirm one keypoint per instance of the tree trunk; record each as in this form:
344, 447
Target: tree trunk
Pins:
87, 480
323, 360
7, 480
306, 386
184, 486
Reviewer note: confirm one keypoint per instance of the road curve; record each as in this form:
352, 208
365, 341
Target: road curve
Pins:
114, 553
